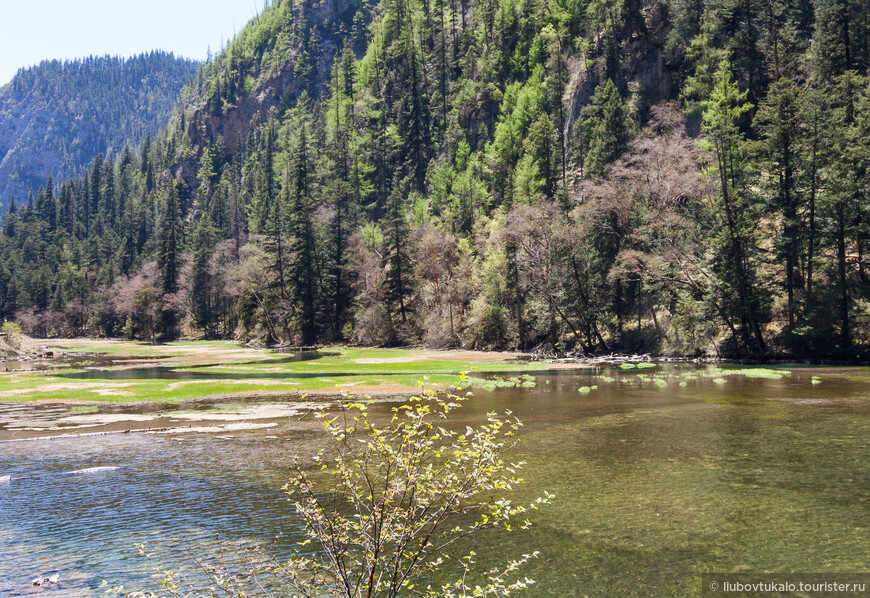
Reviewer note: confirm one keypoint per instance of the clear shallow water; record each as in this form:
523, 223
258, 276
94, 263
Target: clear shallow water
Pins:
655, 484
178, 496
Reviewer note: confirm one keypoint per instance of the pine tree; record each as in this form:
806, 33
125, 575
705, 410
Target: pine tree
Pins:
201, 282
459, 116
49, 210
107, 195
266, 182
339, 187
397, 257
414, 120
169, 258
721, 114
814, 148
832, 40
303, 277
778, 121
11, 219
95, 185
606, 129
846, 194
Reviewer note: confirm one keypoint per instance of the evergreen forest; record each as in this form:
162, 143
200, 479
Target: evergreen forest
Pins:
685, 177
56, 117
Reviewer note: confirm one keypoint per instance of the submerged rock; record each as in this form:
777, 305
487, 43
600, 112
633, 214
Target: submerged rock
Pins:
46, 581
94, 470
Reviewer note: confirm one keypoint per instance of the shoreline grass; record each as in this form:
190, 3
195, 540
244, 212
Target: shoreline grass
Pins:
190, 370
117, 371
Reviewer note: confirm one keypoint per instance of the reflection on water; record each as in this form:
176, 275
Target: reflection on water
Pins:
91, 360
98, 365
655, 483
175, 372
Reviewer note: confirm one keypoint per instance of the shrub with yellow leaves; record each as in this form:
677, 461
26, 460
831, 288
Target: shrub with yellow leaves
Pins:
388, 505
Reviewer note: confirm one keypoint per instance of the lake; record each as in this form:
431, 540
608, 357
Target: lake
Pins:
660, 474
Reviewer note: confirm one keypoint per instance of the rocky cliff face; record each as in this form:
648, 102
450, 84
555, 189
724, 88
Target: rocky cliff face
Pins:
26, 159
55, 118
265, 73
643, 73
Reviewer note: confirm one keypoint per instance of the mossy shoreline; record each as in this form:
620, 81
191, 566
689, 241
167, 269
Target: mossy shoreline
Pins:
100, 371
87, 371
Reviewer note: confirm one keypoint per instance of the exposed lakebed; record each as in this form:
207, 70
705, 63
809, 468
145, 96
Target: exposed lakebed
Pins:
660, 474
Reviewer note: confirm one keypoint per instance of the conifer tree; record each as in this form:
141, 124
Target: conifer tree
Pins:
721, 114
10, 219
415, 113
606, 128
397, 258
457, 118
778, 121
49, 209
95, 186
169, 257
832, 39
340, 186
304, 253
846, 194
201, 283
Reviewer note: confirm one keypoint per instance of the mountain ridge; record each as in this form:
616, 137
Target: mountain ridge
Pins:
56, 117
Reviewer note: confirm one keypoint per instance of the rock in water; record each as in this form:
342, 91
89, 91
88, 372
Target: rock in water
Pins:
54, 578
94, 470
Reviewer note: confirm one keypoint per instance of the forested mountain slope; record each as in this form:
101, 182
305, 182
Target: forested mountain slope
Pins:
55, 118
598, 175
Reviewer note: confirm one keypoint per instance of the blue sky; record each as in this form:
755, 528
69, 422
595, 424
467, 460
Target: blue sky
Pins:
35, 30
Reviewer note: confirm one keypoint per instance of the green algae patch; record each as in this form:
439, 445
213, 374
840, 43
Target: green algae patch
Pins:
186, 370
760, 373
643, 365
763, 373
491, 384
123, 371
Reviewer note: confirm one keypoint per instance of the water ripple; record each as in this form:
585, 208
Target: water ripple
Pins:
177, 497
